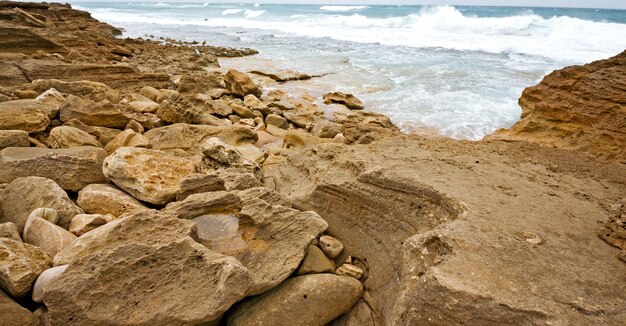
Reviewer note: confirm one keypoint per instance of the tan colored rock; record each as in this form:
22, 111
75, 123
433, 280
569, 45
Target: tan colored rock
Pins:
146, 106
83, 223
240, 84
9, 230
51, 96
25, 94
241, 110
13, 138
301, 119
18, 116
349, 100
103, 134
101, 114
276, 120
254, 103
84, 88
191, 137
275, 131
44, 279
309, 300
20, 265
149, 175
315, 262
127, 138
326, 129
11, 313
150, 92
218, 180
222, 155
330, 246
193, 83
218, 108
283, 75
72, 168
66, 137
135, 126
48, 236
350, 270
107, 199
178, 109
24, 195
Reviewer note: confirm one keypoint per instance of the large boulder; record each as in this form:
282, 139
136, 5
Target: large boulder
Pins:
218, 180
309, 300
240, 84
66, 137
268, 238
149, 175
108, 199
102, 114
20, 265
30, 117
24, 195
72, 168
191, 84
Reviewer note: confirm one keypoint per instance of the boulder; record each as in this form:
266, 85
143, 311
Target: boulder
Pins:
241, 110
349, 100
29, 118
102, 113
47, 277
84, 88
240, 84
190, 84
103, 134
264, 236
127, 138
315, 262
149, 175
83, 223
178, 283
309, 300
13, 138
218, 108
135, 126
11, 313
71, 168
218, 180
24, 195
44, 234
20, 265
9, 230
108, 199
66, 137
150, 92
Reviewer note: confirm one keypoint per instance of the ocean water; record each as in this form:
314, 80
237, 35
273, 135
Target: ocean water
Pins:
457, 70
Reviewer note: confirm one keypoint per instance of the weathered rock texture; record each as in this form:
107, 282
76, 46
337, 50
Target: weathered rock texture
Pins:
20, 265
108, 199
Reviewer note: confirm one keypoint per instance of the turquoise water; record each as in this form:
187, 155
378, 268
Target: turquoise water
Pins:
457, 70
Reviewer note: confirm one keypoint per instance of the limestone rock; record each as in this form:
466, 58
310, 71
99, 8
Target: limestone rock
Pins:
103, 134
83, 88
29, 118
83, 223
312, 300
190, 137
66, 137
326, 129
240, 84
149, 175
24, 195
276, 120
349, 270
9, 230
150, 92
349, 100
127, 138
102, 114
72, 168
218, 180
21, 264
190, 84
178, 109
11, 313
331, 246
315, 262
13, 138
47, 277
241, 110
135, 126
218, 108
48, 236
107, 199
221, 155
283, 75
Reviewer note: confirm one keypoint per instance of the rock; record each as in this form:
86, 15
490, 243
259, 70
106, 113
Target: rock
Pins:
121, 51
251, 225
11, 313
360, 315
72, 168
24, 195
218, 180
51, 96
276, 120
326, 129
127, 138
614, 230
107, 199
315, 262
240, 84
149, 175
221, 155
254, 103
150, 92
178, 109
349, 100
147, 106
146, 285
275, 131
241, 110
282, 105
331, 246
103, 134
13, 138
9, 230
21, 264
350, 270
84, 88
191, 137
313, 300
283, 75
101, 114
218, 108
29, 118
300, 119
25, 94
48, 236
135, 126
66, 137
46, 278
190, 84
83, 223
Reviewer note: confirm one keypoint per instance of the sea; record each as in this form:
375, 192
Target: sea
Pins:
457, 71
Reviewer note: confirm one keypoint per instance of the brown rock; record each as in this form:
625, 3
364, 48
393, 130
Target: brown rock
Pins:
326, 129
349, 270
218, 108
283, 75
11, 313
48, 236
108, 199
102, 114
241, 110
13, 138
44, 279
190, 84
135, 126
349, 100
15, 115
315, 262
150, 92
24, 195
331, 246
103, 134
277, 121
83, 223
221, 155
9, 230
83, 88
240, 84
218, 180
191, 137
178, 109
127, 138
72, 168
21, 264
66, 137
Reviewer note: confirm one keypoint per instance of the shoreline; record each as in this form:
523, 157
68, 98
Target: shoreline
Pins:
143, 180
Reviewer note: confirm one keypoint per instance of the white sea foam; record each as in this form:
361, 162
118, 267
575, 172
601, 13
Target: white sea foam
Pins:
246, 12
343, 8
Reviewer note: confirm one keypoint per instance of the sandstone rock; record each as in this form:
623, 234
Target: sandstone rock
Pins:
614, 230
11, 313
326, 129
276, 120
312, 300
349, 270
83, 223
46, 278
102, 114
135, 126
147, 106
331, 246
218, 180
29, 118
178, 109
146, 285
275, 131
315, 262
149, 175
150, 92
254, 103
218, 108
51, 96
301, 119
72, 168
127, 138
9, 230
21, 264
221, 155
48, 236
103, 134
13, 138
241, 110
283, 75
264, 236
191, 137
25, 94
349, 100
240, 84
200, 83
107, 199
24, 195
360, 315
282, 105
66, 137
84, 88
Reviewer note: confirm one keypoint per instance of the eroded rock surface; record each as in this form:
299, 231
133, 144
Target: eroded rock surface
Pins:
20, 265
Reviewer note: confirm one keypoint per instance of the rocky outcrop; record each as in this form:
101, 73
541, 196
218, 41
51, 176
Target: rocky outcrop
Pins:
580, 108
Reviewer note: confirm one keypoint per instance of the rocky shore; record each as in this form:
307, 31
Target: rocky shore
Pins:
142, 184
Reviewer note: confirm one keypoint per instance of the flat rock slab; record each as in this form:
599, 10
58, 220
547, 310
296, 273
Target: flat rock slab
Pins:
71, 168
